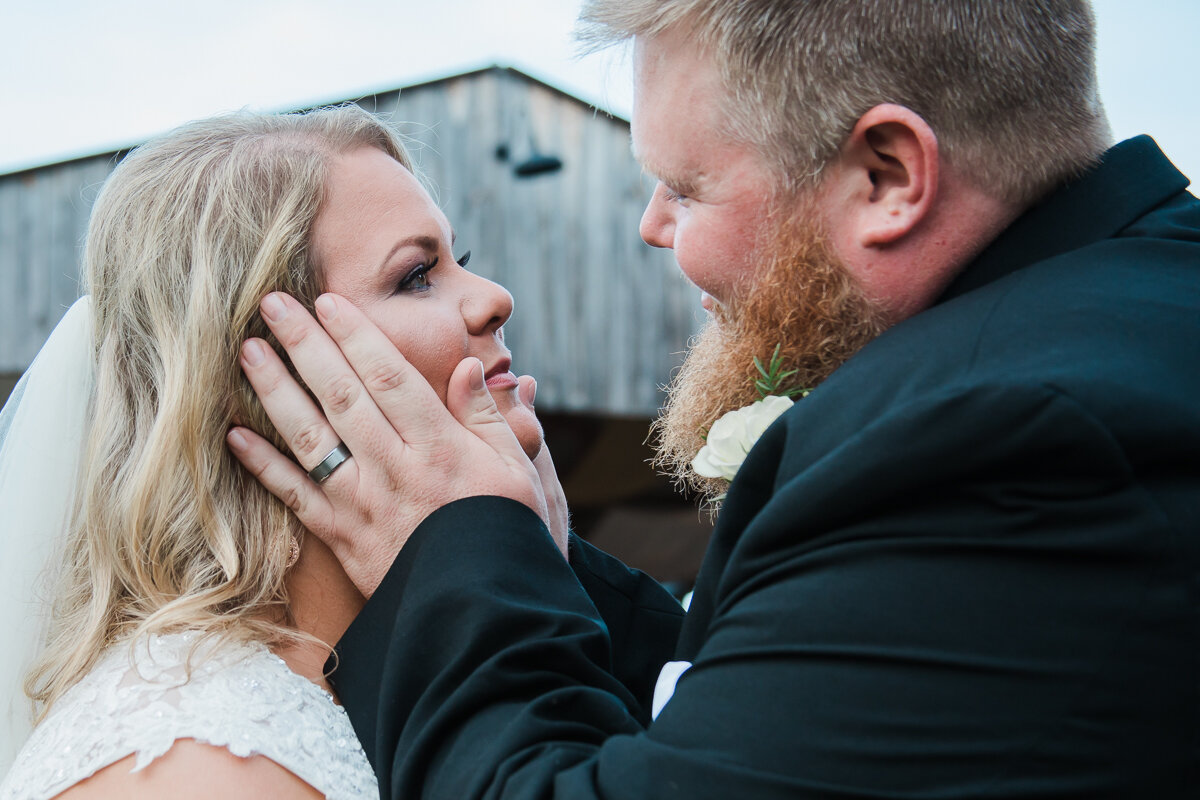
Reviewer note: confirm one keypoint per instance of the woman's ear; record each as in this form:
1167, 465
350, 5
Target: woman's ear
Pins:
888, 176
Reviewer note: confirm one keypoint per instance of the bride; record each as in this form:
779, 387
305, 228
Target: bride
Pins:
185, 647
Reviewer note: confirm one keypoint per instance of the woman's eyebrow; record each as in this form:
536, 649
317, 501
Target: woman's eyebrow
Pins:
427, 243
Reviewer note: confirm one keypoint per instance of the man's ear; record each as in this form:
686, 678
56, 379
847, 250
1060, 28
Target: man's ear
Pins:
888, 171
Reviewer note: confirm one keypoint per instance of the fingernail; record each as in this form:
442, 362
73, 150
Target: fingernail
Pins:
273, 308
253, 353
326, 307
236, 440
477, 376
528, 391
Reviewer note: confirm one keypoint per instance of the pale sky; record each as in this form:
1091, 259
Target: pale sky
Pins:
79, 77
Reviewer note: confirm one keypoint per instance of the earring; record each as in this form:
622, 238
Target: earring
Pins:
293, 552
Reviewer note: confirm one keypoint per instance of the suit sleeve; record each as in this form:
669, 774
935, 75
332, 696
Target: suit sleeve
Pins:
641, 617
482, 646
905, 616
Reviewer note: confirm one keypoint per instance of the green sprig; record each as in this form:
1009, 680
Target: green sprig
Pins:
774, 376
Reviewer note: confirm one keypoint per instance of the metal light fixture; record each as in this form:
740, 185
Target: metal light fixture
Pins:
538, 163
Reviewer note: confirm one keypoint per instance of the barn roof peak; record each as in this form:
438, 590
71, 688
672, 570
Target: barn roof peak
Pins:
362, 98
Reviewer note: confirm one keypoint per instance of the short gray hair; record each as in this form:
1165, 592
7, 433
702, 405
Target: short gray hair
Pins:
1008, 86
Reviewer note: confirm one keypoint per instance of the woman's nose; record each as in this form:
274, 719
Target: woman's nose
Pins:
486, 305
658, 225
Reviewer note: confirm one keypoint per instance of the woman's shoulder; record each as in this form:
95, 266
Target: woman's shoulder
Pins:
174, 775
238, 699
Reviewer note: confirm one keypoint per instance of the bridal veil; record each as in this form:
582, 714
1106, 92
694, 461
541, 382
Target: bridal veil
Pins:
42, 430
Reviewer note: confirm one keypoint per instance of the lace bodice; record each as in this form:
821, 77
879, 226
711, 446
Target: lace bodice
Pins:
241, 697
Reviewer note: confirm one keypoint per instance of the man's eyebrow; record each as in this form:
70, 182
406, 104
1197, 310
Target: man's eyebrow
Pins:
684, 186
675, 182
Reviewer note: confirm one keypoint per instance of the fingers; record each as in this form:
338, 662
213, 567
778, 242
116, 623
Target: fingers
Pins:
299, 421
282, 478
558, 519
472, 405
351, 415
396, 388
527, 390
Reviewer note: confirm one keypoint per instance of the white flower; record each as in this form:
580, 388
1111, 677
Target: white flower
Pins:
732, 436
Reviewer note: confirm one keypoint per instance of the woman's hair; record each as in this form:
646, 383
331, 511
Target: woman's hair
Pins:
187, 236
1008, 86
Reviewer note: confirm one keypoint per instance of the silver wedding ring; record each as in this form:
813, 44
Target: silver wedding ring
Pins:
321, 472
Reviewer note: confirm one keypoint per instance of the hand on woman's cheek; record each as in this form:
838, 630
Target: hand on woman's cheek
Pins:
518, 413
524, 423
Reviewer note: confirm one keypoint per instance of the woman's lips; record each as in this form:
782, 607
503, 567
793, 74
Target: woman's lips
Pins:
502, 381
499, 377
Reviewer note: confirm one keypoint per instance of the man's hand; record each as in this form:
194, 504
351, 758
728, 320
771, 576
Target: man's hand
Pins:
410, 454
558, 518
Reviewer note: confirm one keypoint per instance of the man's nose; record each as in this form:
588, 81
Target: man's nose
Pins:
658, 224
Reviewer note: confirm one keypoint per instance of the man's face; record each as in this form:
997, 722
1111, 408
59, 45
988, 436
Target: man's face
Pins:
713, 196
772, 278
803, 301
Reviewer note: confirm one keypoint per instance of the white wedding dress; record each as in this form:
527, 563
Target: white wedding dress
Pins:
239, 696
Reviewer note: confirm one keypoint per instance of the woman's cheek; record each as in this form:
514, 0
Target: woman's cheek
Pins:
435, 366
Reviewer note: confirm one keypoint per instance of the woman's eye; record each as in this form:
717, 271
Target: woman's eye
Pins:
464, 259
417, 279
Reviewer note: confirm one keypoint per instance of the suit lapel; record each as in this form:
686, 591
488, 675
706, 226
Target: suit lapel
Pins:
752, 489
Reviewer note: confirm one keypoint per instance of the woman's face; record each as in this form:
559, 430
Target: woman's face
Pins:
384, 245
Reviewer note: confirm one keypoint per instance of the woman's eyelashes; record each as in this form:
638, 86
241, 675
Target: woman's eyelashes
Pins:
417, 278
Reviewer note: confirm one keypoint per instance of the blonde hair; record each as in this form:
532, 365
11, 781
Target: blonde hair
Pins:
1008, 86
187, 236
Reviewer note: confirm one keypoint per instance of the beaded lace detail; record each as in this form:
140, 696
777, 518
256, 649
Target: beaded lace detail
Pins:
241, 697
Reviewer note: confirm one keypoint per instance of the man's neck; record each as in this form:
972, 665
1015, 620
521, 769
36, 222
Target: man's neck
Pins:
907, 276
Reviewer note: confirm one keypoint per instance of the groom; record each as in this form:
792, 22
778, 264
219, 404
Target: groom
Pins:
966, 565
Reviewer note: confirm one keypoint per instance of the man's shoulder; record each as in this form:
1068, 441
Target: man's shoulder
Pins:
1082, 312
1120, 244
1113, 327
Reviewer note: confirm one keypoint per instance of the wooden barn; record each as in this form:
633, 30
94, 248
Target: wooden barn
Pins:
544, 191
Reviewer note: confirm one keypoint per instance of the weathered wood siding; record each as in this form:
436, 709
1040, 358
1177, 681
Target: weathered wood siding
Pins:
601, 318
43, 218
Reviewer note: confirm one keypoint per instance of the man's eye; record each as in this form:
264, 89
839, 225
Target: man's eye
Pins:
671, 195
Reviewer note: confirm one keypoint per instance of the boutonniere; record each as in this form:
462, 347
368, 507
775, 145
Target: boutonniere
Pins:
730, 438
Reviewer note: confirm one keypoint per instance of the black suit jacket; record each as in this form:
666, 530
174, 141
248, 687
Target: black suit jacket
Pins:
964, 567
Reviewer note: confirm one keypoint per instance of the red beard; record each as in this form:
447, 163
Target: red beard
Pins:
806, 302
